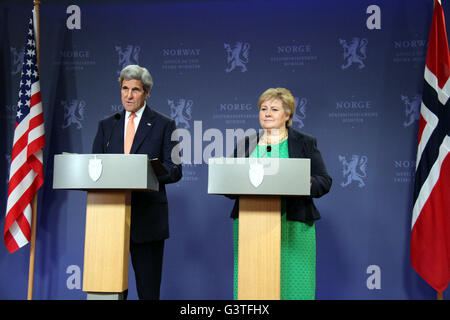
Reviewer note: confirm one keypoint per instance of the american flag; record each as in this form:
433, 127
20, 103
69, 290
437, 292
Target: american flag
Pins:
26, 170
430, 235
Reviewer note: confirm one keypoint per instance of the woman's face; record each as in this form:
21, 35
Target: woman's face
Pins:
272, 115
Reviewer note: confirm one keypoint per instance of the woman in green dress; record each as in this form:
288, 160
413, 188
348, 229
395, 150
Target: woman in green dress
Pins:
298, 234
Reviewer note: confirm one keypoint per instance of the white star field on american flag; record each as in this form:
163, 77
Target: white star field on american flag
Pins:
29, 75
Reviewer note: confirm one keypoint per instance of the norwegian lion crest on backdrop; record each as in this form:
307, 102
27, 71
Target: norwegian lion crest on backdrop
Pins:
354, 52
354, 170
130, 55
181, 112
300, 112
73, 113
412, 109
237, 56
17, 57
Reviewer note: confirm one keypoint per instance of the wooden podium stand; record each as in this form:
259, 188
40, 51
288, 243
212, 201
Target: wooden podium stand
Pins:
259, 257
107, 241
108, 180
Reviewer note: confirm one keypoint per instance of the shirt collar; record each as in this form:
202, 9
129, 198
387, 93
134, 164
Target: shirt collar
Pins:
138, 113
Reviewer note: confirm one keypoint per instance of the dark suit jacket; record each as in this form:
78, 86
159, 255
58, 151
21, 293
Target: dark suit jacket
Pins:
300, 145
149, 210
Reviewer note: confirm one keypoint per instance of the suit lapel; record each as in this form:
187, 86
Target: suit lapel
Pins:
145, 126
295, 144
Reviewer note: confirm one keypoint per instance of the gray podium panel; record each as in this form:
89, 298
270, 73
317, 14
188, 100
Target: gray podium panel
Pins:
104, 171
259, 176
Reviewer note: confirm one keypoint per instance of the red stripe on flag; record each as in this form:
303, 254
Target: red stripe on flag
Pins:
430, 240
35, 99
36, 145
422, 124
17, 177
24, 225
20, 144
36, 121
20, 206
10, 243
438, 59
37, 167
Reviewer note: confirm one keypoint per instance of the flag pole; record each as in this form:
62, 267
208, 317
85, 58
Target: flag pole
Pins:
32, 248
34, 203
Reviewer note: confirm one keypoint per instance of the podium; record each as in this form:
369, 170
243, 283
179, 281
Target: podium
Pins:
108, 180
259, 183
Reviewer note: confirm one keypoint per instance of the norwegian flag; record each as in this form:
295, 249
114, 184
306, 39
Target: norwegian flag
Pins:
430, 235
26, 171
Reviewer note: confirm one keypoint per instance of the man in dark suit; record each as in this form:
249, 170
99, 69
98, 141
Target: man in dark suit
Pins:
138, 129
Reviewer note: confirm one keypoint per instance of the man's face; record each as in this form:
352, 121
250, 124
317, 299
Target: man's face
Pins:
133, 94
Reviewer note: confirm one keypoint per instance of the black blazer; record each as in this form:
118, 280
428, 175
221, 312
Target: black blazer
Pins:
149, 210
300, 145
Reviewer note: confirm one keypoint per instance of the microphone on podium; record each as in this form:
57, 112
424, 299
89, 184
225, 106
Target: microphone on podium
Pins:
116, 118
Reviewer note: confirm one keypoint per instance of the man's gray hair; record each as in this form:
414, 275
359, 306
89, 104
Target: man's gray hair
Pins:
135, 72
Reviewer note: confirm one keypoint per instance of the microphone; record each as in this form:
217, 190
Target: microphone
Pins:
269, 148
116, 118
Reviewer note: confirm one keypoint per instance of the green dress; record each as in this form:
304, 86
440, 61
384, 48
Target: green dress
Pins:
298, 246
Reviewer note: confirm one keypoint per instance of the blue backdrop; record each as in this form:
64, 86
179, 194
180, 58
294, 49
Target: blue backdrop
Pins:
355, 67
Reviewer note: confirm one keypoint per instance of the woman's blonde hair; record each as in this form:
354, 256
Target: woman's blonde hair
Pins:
286, 98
